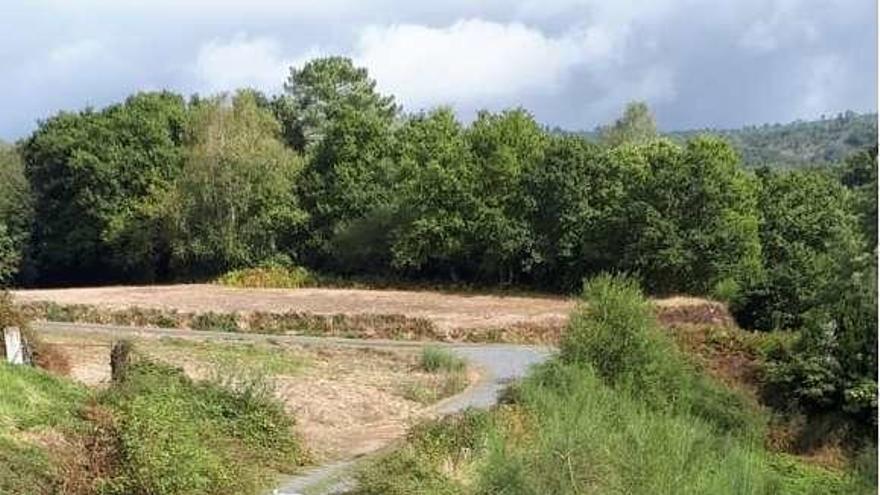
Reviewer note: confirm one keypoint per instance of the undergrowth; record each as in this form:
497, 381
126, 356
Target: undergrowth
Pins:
154, 431
447, 376
271, 276
180, 436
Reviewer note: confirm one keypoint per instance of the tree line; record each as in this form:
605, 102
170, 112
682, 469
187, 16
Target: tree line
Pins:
334, 176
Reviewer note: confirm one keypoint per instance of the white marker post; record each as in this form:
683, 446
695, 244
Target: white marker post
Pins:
14, 347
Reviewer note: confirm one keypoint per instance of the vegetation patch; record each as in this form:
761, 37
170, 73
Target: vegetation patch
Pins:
268, 277
447, 376
152, 431
364, 325
266, 358
179, 436
620, 411
436, 359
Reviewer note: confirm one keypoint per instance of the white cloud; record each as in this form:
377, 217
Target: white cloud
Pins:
470, 60
823, 86
473, 59
240, 62
784, 24
75, 53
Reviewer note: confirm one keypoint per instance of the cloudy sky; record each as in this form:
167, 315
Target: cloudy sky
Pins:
573, 63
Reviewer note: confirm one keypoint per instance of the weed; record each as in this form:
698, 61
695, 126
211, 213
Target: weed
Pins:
435, 359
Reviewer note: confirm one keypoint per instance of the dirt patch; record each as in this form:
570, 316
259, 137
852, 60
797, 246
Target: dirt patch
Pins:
693, 311
726, 352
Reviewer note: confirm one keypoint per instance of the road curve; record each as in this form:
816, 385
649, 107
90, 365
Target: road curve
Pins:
499, 364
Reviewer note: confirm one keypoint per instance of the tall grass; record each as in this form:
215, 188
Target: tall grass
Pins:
33, 403
434, 359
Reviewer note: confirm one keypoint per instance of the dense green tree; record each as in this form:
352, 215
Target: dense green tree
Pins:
95, 176
10, 256
234, 204
694, 223
318, 94
437, 196
808, 223
637, 125
799, 144
505, 148
859, 174
832, 365
16, 212
347, 176
578, 199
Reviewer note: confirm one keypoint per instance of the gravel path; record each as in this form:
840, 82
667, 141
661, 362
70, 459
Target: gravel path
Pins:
498, 364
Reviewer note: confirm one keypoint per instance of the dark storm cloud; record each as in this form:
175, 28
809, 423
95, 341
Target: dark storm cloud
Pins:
573, 63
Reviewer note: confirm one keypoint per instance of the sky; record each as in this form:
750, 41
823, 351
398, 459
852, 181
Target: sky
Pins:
572, 63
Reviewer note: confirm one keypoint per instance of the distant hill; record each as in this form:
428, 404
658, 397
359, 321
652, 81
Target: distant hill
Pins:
793, 145
800, 143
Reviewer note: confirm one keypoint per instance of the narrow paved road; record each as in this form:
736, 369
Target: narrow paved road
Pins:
498, 364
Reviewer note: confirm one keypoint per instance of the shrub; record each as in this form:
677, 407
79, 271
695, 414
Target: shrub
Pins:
614, 331
832, 364
422, 464
436, 359
569, 432
269, 276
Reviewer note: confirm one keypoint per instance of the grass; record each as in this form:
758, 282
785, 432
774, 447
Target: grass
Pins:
435, 359
620, 411
266, 358
33, 399
33, 403
429, 391
178, 436
158, 432
448, 376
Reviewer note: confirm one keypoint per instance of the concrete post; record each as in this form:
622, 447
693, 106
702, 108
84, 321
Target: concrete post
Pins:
14, 345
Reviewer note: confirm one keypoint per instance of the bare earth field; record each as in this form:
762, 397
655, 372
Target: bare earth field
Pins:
347, 401
447, 311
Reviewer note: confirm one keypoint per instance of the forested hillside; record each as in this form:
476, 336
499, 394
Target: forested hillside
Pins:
800, 143
793, 145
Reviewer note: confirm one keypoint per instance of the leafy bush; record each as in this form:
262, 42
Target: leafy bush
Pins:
268, 276
832, 364
614, 332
